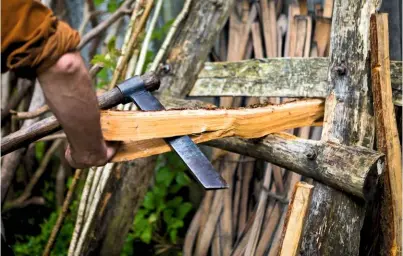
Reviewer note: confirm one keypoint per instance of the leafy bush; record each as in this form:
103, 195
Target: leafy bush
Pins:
163, 211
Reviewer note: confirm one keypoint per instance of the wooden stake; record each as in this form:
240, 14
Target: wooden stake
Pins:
387, 134
295, 219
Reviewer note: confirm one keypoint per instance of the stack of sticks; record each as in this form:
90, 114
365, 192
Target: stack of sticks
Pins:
248, 218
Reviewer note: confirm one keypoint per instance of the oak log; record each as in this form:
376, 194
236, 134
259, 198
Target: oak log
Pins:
351, 169
335, 218
276, 77
243, 122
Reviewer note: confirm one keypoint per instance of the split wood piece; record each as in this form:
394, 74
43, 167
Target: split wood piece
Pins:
294, 222
269, 27
293, 10
303, 7
386, 134
253, 238
243, 122
50, 125
274, 77
257, 40
322, 35
328, 9
326, 162
300, 36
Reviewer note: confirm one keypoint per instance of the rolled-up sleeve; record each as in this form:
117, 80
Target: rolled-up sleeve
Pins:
33, 39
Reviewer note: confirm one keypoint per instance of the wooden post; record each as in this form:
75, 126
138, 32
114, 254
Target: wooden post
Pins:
335, 220
387, 137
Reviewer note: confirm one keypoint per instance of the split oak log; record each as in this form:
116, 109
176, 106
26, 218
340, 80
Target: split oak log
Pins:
275, 77
243, 122
387, 136
354, 170
49, 125
295, 219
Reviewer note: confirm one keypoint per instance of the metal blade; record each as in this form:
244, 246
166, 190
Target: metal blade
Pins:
199, 165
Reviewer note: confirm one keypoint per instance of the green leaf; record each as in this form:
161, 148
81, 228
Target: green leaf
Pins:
98, 2
39, 150
153, 218
174, 203
165, 176
149, 201
167, 215
183, 209
146, 234
182, 179
173, 235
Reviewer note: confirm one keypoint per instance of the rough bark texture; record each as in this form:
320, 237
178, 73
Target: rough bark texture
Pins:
11, 161
189, 50
335, 221
186, 56
350, 169
276, 77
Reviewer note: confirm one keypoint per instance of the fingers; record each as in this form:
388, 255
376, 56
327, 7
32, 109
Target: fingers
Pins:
82, 160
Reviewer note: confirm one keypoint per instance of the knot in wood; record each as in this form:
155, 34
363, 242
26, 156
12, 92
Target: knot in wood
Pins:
341, 69
166, 68
311, 155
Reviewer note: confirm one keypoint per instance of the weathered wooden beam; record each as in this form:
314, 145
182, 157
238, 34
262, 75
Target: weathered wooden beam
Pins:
334, 224
275, 77
387, 136
351, 169
297, 212
243, 122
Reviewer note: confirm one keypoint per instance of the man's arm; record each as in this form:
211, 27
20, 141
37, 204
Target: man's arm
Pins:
68, 91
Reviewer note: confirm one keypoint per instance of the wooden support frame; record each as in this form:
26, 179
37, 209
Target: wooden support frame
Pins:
354, 170
276, 77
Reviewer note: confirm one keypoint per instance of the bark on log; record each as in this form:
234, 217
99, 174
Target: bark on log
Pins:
186, 56
335, 220
275, 77
351, 169
28, 134
295, 219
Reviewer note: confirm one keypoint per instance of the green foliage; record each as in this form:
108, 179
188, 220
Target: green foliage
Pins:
39, 150
111, 5
34, 245
162, 213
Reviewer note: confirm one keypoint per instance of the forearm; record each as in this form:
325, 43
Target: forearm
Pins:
68, 91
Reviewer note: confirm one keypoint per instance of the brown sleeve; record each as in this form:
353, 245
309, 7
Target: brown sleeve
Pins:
32, 39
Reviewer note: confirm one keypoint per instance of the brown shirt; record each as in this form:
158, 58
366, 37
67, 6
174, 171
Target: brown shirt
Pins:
32, 38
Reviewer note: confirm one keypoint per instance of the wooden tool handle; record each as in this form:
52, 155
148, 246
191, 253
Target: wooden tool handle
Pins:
109, 99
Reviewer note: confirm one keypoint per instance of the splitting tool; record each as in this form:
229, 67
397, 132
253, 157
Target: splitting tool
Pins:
201, 168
